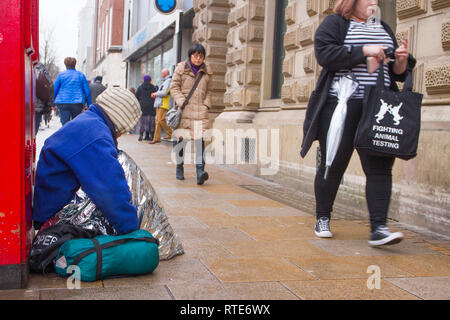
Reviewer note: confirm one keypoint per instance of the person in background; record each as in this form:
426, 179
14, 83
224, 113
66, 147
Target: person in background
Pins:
195, 116
96, 88
44, 96
144, 96
163, 103
344, 41
71, 91
83, 153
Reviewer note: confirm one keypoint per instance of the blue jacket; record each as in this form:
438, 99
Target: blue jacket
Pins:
71, 87
83, 153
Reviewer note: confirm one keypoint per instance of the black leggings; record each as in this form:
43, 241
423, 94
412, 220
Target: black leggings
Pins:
378, 170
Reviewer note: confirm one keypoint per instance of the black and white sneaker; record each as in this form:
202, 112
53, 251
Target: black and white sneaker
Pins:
382, 236
322, 229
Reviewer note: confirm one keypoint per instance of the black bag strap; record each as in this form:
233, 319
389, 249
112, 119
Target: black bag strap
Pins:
380, 79
200, 76
98, 249
408, 86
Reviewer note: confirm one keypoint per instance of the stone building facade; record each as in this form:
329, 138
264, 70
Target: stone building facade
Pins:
262, 53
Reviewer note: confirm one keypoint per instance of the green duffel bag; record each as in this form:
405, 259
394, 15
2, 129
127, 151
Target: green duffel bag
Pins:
134, 253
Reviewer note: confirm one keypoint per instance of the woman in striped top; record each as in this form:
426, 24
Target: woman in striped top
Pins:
343, 42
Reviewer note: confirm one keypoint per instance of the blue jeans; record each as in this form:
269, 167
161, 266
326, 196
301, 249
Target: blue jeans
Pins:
68, 112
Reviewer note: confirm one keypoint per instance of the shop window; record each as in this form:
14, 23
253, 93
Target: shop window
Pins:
278, 49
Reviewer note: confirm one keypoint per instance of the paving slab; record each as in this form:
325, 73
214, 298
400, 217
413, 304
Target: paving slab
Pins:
28, 294
255, 270
361, 248
129, 293
333, 268
182, 269
428, 288
233, 291
274, 248
348, 289
425, 265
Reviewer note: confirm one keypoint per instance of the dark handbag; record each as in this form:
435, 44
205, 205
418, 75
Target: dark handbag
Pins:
390, 121
173, 116
47, 242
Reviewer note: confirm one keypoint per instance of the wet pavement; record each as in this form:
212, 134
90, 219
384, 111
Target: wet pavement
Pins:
245, 238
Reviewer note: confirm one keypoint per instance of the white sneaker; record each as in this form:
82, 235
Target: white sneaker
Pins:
322, 229
382, 236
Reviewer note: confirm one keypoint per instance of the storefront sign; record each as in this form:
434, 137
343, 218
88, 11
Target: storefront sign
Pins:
166, 6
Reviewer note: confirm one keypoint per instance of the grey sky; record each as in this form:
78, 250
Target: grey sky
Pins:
62, 17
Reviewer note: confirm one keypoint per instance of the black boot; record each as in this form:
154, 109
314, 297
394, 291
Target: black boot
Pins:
202, 175
147, 136
180, 172
179, 147
141, 136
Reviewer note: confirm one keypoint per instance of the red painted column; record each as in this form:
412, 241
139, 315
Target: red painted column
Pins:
16, 139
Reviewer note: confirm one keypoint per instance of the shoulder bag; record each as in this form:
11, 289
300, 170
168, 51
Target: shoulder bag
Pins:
390, 121
173, 117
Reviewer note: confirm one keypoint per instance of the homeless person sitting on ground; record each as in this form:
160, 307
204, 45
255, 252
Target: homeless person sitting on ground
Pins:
83, 153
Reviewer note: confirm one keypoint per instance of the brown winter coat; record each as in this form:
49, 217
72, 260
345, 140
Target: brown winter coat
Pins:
197, 109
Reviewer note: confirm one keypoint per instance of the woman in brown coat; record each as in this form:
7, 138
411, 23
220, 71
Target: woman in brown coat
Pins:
195, 116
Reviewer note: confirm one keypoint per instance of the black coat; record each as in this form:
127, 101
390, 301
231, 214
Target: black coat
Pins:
332, 55
96, 89
143, 94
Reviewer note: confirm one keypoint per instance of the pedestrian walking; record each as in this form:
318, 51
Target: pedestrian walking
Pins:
44, 96
343, 42
147, 122
71, 91
96, 88
191, 90
70, 160
163, 102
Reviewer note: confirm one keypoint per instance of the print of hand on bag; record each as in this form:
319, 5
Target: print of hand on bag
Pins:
394, 111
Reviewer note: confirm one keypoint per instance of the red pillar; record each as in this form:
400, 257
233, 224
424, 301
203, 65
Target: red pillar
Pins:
17, 24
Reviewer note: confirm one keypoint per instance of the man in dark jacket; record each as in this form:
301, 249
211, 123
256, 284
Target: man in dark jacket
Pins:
144, 95
70, 160
96, 88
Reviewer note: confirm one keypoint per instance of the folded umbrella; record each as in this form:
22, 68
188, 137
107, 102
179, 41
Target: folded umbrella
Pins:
344, 88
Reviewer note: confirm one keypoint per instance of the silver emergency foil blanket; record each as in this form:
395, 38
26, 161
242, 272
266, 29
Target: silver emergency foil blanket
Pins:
82, 211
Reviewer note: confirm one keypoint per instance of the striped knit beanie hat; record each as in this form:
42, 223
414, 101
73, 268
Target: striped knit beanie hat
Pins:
122, 108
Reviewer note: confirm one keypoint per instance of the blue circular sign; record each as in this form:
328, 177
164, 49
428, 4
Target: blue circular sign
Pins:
166, 6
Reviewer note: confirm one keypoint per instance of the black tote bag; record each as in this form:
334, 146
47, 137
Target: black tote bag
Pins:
390, 121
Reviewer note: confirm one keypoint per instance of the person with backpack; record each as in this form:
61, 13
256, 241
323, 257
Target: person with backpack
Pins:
44, 96
147, 122
71, 91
